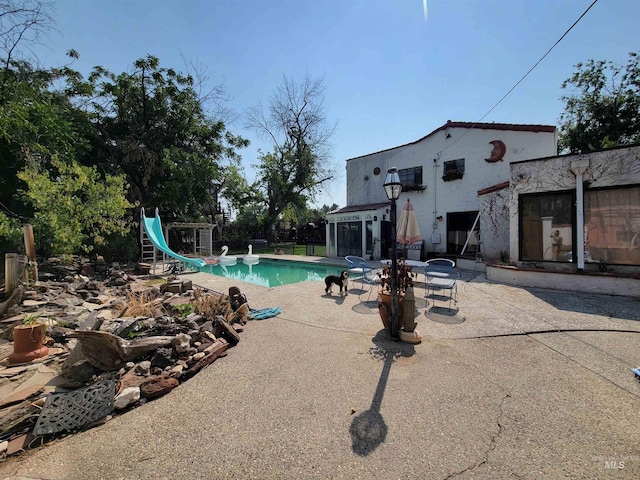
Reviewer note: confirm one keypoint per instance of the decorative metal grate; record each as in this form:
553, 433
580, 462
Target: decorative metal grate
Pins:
71, 410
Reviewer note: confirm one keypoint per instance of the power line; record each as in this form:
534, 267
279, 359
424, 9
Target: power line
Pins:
525, 75
510, 90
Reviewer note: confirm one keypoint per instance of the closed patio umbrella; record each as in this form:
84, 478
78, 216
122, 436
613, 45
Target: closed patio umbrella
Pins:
408, 230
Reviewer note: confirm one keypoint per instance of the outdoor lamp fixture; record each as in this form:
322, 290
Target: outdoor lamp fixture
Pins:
393, 187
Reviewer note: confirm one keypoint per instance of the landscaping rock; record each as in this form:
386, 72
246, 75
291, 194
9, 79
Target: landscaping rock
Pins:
125, 398
181, 342
162, 358
107, 326
157, 386
143, 368
81, 371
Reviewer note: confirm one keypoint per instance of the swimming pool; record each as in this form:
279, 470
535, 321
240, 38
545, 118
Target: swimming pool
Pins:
273, 273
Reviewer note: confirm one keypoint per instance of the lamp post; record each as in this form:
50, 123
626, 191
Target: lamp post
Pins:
393, 187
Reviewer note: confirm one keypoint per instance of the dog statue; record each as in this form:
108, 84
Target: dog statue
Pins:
341, 281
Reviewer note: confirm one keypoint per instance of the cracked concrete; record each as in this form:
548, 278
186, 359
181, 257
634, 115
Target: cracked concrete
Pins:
492, 444
302, 396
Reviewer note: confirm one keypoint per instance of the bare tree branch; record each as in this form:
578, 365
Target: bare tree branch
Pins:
23, 23
213, 99
296, 124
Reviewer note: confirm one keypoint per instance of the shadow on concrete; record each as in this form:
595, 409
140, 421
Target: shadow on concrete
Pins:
357, 291
615, 306
338, 299
626, 308
369, 307
444, 315
368, 430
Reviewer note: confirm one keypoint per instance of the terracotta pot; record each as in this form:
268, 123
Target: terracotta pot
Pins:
28, 343
384, 308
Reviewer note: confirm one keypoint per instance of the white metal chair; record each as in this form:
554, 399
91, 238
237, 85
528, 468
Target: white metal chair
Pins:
373, 279
358, 267
441, 263
442, 278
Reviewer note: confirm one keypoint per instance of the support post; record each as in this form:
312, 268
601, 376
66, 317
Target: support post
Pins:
579, 168
30, 249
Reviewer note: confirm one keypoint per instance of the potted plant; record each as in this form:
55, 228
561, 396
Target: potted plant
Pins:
453, 174
28, 340
413, 187
404, 280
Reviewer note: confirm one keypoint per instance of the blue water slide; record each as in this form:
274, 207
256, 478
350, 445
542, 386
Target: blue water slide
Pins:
153, 228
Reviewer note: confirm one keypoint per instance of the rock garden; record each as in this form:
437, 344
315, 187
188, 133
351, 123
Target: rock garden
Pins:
93, 341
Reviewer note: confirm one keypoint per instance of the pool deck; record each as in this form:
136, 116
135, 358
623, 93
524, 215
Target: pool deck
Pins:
510, 383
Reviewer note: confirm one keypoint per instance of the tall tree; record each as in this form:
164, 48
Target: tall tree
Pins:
603, 107
23, 23
155, 131
43, 183
295, 171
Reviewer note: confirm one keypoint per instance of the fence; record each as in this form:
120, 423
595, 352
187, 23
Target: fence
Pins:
316, 250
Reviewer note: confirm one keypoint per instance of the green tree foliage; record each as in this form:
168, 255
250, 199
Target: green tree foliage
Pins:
240, 194
38, 121
42, 138
75, 208
73, 150
10, 234
602, 106
297, 168
147, 127
154, 130
247, 225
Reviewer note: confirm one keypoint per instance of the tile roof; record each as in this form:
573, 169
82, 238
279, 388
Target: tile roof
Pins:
482, 126
494, 188
361, 208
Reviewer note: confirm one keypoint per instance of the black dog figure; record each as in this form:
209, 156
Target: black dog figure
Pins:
341, 281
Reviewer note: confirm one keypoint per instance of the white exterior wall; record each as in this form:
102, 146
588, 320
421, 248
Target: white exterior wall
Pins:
363, 186
494, 223
439, 198
616, 167
374, 216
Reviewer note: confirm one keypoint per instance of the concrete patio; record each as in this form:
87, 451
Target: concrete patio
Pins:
514, 382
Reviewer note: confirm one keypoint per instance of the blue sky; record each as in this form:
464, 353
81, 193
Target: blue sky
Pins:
391, 75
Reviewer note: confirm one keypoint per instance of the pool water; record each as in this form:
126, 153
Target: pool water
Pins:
273, 273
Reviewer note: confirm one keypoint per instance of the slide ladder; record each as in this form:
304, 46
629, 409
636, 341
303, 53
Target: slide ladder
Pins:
153, 229
148, 250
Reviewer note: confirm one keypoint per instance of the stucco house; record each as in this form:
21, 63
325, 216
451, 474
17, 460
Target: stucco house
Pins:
590, 201
450, 176
569, 214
